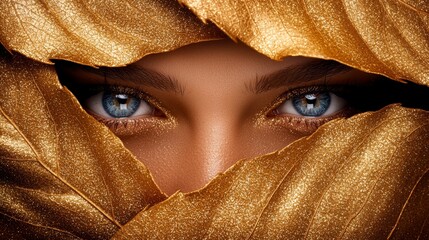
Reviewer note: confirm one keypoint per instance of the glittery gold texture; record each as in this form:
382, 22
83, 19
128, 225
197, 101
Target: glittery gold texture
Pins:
62, 174
366, 177
388, 37
102, 33
65, 176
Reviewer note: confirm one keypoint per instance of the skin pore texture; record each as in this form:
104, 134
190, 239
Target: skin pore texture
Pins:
207, 105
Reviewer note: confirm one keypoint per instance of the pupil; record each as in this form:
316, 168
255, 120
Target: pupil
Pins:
119, 105
313, 104
311, 98
121, 98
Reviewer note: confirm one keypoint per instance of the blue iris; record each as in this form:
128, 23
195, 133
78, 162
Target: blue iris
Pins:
119, 105
313, 104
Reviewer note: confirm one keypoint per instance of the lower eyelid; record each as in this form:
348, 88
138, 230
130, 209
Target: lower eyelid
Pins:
306, 125
149, 117
284, 105
132, 126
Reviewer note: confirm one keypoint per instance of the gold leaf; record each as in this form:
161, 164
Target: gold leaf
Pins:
389, 37
63, 175
102, 33
366, 177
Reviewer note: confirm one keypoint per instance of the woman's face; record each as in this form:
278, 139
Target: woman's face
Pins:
192, 113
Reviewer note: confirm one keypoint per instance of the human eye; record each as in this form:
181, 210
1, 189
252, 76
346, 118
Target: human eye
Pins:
312, 103
124, 110
119, 103
305, 109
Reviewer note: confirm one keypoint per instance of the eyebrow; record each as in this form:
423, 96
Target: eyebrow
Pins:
139, 75
313, 70
310, 71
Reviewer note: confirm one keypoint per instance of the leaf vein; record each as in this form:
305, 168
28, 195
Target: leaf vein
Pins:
39, 225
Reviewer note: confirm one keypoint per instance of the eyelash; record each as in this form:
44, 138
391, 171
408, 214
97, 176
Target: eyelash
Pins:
161, 119
302, 124
131, 126
296, 92
92, 90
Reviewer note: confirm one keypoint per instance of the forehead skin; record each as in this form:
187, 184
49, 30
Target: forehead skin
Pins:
215, 63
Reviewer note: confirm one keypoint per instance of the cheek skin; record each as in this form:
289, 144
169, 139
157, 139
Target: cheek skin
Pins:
186, 159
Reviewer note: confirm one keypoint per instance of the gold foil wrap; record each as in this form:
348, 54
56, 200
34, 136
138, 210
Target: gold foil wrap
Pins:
388, 37
366, 177
101, 33
63, 175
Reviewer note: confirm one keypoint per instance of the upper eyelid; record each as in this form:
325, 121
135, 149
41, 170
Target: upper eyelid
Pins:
126, 90
89, 90
295, 92
142, 95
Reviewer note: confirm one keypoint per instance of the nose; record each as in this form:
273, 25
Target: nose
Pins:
209, 149
213, 151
